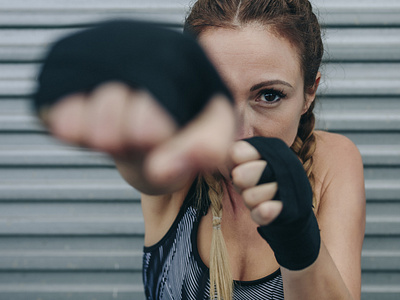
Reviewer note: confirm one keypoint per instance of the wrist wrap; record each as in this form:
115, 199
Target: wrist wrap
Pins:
168, 64
294, 235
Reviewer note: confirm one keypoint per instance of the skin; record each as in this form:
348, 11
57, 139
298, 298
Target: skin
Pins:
161, 161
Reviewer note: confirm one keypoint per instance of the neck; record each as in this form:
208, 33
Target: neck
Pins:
232, 201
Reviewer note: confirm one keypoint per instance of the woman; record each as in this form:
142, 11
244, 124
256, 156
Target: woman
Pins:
200, 193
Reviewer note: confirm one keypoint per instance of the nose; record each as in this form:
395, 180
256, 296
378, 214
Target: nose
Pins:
244, 128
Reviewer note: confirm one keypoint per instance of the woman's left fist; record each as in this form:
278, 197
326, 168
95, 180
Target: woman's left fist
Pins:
246, 174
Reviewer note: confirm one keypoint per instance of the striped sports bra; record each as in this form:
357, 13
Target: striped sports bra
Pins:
173, 269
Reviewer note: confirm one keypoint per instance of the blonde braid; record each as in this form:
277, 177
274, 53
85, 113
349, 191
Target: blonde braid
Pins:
221, 282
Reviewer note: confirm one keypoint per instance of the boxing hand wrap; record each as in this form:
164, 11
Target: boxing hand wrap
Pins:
168, 64
294, 235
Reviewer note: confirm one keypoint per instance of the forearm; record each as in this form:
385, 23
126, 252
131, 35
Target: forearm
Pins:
133, 172
321, 280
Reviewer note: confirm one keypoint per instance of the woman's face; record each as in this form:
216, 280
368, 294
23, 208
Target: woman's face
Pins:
263, 73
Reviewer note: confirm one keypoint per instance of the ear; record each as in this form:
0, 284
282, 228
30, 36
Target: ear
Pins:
310, 94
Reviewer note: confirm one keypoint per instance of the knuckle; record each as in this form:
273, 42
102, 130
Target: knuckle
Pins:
242, 151
111, 88
146, 125
250, 197
235, 151
263, 215
237, 176
104, 142
61, 129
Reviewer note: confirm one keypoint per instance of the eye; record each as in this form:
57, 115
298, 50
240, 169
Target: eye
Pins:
271, 96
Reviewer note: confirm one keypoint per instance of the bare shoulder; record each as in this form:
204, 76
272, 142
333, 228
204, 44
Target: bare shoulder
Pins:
335, 144
335, 152
337, 164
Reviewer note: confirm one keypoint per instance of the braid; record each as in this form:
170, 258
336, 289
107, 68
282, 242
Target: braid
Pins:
221, 281
304, 145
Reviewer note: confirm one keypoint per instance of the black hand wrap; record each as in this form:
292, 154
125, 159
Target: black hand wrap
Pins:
294, 236
168, 64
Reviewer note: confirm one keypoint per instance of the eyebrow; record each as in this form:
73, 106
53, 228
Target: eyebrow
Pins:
269, 83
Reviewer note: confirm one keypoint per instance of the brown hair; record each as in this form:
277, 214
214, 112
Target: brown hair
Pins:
293, 20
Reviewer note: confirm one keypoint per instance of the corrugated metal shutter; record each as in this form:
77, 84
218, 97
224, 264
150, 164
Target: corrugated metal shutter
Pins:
70, 228
362, 101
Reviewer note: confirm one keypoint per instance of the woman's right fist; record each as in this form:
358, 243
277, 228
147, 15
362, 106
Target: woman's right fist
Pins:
147, 95
152, 152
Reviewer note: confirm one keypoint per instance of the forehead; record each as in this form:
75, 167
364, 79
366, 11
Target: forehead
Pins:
251, 53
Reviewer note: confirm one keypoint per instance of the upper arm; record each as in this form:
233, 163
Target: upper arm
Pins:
341, 211
160, 212
159, 206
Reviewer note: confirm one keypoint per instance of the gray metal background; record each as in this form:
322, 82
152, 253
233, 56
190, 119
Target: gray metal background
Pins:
70, 228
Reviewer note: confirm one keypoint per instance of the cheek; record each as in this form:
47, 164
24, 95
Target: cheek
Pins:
279, 125
292, 133
292, 120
